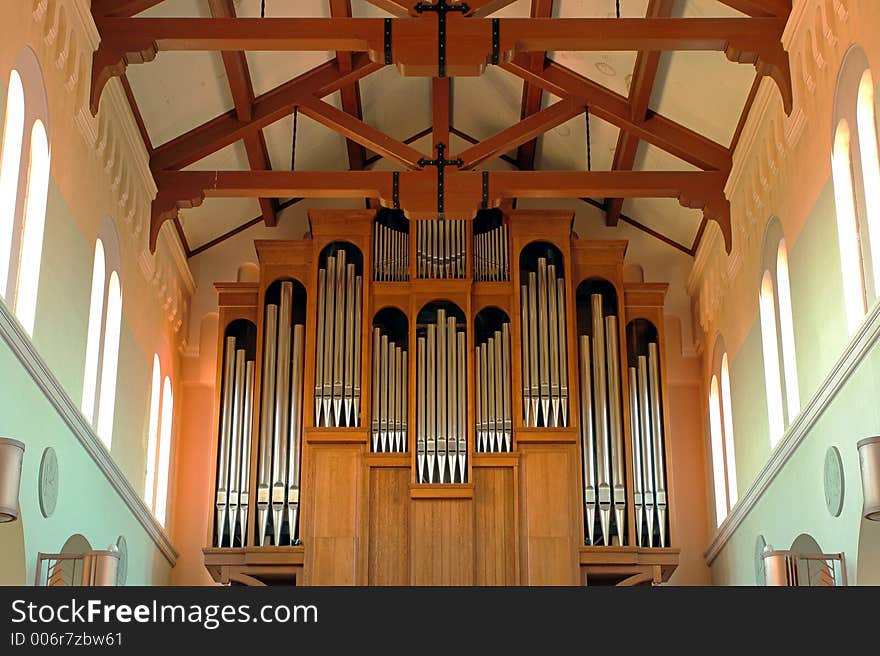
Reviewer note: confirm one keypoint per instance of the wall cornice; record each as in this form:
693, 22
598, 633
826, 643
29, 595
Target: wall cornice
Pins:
13, 334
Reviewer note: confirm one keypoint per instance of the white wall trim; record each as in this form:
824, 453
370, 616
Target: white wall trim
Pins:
14, 335
864, 339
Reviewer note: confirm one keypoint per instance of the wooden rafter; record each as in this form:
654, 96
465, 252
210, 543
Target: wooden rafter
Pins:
644, 74
469, 43
350, 95
418, 189
240, 85
269, 107
761, 8
533, 94
614, 108
441, 103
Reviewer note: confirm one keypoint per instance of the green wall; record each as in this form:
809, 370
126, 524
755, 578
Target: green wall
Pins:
794, 502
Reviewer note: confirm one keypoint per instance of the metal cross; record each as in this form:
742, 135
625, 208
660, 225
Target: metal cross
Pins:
442, 8
441, 163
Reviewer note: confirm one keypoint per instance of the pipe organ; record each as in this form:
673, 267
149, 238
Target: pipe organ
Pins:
524, 465
440, 249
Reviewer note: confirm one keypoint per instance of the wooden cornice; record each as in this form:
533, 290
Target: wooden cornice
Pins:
469, 43
418, 192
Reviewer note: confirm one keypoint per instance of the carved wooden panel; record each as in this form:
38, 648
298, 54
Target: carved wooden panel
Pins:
442, 542
388, 559
495, 526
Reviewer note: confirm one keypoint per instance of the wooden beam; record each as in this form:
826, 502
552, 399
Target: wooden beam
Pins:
474, 141
614, 108
761, 8
526, 130
418, 189
533, 95
641, 87
121, 8
126, 41
269, 107
349, 95
483, 8
240, 85
366, 135
399, 8
441, 103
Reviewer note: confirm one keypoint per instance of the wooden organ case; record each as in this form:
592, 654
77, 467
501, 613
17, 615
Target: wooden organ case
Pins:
441, 403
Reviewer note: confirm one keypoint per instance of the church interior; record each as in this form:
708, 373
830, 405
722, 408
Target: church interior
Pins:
440, 292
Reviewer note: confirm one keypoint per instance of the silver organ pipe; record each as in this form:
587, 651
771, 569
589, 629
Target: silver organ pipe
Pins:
390, 254
441, 249
649, 461
494, 421
544, 352
657, 424
235, 444
491, 259
338, 351
602, 427
389, 381
441, 386
246, 442
280, 442
228, 392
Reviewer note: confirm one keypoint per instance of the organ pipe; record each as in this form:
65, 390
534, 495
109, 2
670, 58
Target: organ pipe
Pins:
281, 421
390, 254
602, 427
389, 409
491, 260
440, 249
236, 421
493, 420
544, 352
441, 385
338, 352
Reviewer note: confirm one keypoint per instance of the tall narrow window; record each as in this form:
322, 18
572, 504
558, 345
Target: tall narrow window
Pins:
164, 451
727, 414
770, 344
153, 434
32, 228
786, 334
102, 339
848, 228
10, 164
24, 187
867, 121
721, 435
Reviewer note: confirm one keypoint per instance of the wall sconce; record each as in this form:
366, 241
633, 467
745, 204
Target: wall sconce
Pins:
869, 463
11, 454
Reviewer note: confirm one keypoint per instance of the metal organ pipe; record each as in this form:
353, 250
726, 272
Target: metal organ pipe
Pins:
441, 387
282, 409
267, 432
647, 451
602, 427
657, 424
494, 421
491, 260
390, 254
225, 437
338, 351
636, 433
544, 349
390, 376
440, 249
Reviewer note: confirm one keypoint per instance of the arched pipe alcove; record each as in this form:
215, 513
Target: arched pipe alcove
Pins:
491, 247
338, 336
235, 433
389, 403
493, 413
279, 449
441, 394
648, 432
390, 246
602, 434
544, 344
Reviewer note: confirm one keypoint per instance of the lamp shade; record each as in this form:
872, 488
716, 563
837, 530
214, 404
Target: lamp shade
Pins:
11, 454
869, 463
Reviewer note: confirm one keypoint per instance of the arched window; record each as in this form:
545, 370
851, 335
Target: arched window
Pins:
24, 186
102, 340
777, 335
721, 436
856, 173
159, 443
